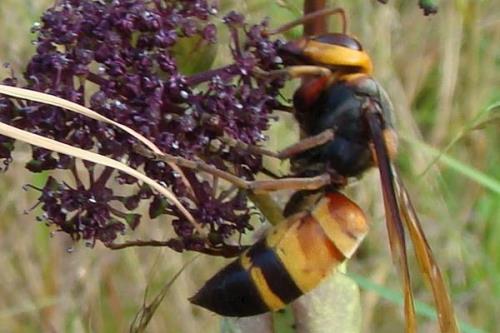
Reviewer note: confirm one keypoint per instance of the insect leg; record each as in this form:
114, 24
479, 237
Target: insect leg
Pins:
299, 183
293, 72
292, 150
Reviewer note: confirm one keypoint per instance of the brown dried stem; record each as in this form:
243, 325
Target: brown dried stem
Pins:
319, 25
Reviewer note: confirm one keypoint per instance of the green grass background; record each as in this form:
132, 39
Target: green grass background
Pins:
440, 72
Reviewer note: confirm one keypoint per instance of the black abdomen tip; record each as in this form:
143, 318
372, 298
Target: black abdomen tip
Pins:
230, 293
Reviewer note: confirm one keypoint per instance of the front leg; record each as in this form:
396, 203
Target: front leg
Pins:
292, 183
298, 183
294, 72
290, 151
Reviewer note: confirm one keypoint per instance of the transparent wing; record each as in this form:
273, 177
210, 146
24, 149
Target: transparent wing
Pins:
425, 258
394, 224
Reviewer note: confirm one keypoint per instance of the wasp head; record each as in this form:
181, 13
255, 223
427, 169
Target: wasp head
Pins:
335, 51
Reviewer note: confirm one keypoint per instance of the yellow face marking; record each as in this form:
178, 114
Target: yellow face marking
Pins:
351, 77
336, 55
272, 301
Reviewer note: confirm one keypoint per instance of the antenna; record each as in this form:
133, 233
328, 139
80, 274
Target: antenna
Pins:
324, 12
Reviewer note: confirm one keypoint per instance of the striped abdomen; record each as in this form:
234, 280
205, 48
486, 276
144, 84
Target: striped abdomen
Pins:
289, 261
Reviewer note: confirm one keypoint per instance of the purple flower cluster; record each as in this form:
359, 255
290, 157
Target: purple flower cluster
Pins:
122, 58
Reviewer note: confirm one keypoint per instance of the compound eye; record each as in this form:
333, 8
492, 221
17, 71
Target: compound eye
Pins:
339, 39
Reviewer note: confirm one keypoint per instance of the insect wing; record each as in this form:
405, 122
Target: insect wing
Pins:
425, 258
395, 227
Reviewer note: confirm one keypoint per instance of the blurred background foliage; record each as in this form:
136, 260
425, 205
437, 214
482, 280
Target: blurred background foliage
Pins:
440, 72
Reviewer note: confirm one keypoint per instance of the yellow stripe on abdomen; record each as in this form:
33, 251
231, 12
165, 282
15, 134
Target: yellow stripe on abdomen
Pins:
262, 286
310, 245
304, 250
343, 221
